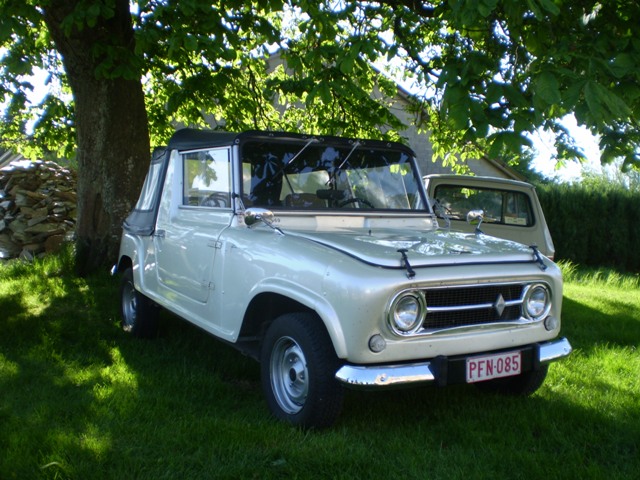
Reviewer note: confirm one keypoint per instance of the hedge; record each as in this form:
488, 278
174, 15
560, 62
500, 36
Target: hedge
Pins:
594, 225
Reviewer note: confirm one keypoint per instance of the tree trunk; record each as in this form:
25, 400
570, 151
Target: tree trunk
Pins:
111, 126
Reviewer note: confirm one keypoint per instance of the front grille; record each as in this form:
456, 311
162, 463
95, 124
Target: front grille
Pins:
472, 305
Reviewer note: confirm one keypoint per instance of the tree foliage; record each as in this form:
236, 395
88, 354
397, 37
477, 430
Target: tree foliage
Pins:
489, 71
493, 71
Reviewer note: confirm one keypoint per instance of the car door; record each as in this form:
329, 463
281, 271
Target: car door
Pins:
187, 231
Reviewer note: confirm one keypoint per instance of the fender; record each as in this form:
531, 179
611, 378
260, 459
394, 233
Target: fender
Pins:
310, 299
142, 262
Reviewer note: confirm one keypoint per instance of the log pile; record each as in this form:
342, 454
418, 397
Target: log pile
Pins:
37, 208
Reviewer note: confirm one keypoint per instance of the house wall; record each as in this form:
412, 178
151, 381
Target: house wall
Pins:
420, 144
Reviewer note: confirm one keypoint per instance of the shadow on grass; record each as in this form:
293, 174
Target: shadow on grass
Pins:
77, 393
616, 324
81, 399
51, 349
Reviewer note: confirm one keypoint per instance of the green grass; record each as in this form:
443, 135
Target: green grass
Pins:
80, 399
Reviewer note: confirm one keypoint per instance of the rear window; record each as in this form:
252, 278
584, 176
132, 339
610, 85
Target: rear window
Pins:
150, 188
500, 206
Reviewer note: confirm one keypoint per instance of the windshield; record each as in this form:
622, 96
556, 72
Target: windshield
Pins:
316, 175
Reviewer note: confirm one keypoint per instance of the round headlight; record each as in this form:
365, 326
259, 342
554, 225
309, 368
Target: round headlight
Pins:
537, 302
407, 312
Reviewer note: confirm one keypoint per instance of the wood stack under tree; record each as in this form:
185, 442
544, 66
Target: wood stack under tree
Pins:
37, 208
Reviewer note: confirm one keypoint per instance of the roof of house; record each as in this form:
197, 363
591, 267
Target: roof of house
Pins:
7, 156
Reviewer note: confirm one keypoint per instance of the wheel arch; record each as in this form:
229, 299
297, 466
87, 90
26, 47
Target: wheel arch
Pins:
131, 253
124, 262
265, 307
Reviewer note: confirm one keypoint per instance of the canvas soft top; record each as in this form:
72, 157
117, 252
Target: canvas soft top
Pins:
191, 138
142, 219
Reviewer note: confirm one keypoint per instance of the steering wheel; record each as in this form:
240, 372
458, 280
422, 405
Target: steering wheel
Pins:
215, 199
354, 200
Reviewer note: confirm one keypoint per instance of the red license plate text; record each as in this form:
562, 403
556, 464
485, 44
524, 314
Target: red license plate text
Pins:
493, 366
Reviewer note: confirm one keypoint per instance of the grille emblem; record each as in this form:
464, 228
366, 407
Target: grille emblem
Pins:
500, 305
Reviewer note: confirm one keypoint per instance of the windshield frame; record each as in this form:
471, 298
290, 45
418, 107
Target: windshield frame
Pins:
278, 164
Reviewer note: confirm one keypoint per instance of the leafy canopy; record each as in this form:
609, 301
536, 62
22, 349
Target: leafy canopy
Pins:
490, 71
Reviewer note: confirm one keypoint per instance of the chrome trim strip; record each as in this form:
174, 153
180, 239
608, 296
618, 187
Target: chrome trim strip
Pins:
477, 306
383, 376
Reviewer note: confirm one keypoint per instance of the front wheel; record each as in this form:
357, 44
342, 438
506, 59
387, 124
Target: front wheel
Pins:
298, 366
522, 385
138, 314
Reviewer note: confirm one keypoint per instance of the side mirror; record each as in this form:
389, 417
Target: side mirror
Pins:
255, 215
475, 217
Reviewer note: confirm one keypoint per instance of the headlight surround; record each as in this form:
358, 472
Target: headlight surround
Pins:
537, 302
407, 312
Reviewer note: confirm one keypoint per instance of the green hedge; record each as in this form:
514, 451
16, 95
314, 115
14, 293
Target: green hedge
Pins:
594, 224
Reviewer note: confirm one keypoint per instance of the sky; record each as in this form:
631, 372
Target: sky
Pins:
572, 171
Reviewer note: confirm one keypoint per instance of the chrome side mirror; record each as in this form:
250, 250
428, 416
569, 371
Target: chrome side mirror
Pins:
475, 217
256, 215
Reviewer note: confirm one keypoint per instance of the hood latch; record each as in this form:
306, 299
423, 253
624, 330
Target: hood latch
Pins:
405, 263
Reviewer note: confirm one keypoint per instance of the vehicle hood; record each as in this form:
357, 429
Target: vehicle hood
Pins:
429, 248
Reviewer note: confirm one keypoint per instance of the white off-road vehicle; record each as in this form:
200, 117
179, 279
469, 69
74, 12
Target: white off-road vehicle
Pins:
321, 257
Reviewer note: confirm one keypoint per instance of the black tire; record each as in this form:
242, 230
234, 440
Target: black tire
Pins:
298, 367
522, 385
139, 316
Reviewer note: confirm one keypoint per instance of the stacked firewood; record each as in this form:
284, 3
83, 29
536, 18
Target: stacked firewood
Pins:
37, 208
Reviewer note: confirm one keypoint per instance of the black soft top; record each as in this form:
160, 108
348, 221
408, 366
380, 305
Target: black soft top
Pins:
191, 138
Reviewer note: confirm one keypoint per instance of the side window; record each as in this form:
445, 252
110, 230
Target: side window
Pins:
207, 178
499, 206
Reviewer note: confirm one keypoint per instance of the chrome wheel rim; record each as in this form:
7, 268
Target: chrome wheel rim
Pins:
289, 375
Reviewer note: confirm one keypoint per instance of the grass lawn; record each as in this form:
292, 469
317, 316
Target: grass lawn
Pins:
80, 399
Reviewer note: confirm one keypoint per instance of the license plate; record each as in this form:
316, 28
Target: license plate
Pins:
489, 367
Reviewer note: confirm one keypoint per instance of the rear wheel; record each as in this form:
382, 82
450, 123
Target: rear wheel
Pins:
298, 366
138, 314
522, 385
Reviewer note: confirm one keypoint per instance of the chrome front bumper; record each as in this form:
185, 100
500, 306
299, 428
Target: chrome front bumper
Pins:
381, 376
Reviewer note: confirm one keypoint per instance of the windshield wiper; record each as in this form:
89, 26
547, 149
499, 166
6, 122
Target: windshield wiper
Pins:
334, 174
355, 145
293, 159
